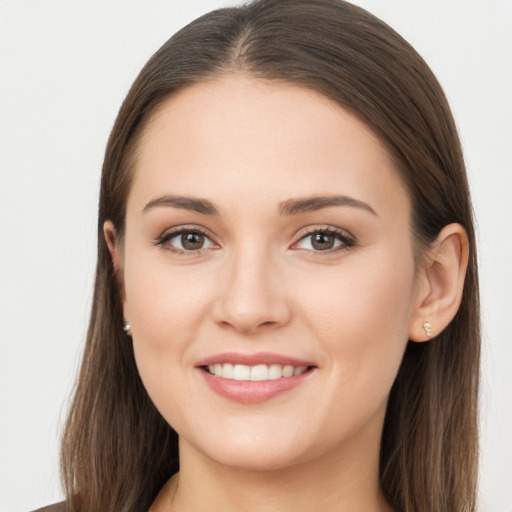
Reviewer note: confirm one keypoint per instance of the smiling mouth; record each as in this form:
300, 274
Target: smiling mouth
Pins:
256, 373
254, 378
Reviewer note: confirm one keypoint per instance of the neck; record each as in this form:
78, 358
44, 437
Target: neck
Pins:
340, 481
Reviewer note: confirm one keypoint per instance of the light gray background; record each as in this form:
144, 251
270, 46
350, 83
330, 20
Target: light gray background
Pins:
65, 67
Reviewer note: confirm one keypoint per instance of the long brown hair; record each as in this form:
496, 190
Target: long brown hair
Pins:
117, 450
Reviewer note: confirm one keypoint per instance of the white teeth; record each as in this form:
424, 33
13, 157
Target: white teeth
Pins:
228, 371
259, 372
288, 371
224, 370
241, 372
275, 371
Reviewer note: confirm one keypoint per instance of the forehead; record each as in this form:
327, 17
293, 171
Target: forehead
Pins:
237, 136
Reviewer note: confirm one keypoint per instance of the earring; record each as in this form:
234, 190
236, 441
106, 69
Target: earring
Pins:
428, 329
127, 328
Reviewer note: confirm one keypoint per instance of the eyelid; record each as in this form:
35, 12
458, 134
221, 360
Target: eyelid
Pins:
347, 239
173, 232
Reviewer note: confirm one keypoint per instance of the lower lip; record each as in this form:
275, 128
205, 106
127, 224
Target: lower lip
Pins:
251, 392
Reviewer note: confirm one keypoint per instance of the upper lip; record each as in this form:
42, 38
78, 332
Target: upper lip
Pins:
253, 359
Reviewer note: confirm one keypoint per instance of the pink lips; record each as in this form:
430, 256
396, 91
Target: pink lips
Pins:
248, 392
252, 359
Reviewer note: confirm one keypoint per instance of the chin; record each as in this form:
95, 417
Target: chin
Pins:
257, 459
253, 449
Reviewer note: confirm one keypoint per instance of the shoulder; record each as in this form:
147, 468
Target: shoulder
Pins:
57, 507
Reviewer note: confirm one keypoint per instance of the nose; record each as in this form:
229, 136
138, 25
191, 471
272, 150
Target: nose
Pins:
252, 294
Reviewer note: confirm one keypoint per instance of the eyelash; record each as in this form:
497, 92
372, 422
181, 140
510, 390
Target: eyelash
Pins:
347, 241
169, 235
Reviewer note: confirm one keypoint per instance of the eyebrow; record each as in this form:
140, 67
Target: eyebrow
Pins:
309, 204
288, 207
202, 206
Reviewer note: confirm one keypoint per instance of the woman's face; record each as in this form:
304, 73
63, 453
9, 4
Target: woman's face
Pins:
267, 234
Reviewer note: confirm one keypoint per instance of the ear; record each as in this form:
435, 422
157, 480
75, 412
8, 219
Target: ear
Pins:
440, 284
109, 231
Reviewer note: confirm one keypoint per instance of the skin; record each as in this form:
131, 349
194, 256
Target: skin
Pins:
259, 285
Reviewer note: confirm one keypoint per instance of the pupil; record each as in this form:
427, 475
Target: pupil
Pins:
322, 241
192, 241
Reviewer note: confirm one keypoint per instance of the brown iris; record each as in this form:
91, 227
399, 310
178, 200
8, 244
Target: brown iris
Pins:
322, 241
192, 241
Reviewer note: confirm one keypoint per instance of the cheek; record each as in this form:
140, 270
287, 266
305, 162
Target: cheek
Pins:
361, 316
163, 302
165, 306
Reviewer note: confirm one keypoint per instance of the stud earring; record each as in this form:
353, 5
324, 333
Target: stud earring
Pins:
127, 329
428, 329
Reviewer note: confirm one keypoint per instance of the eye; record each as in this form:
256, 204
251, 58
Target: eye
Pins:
324, 240
186, 240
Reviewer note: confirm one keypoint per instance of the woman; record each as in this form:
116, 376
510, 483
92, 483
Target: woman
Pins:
286, 299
